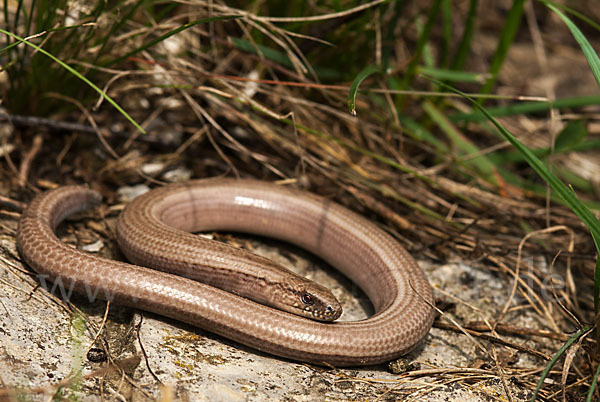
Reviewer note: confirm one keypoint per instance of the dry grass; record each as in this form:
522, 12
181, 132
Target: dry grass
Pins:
215, 109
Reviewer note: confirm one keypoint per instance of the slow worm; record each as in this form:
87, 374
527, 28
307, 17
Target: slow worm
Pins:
149, 232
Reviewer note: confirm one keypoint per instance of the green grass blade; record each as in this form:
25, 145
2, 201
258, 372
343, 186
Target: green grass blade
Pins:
465, 42
590, 394
446, 32
528, 107
513, 21
78, 75
597, 278
125, 15
462, 144
420, 133
561, 189
579, 15
267, 52
588, 145
452, 75
588, 50
58, 29
555, 358
17, 15
171, 33
369, 70
564, 192
162, 13
390, 29
571, 136
29, 21
421, 42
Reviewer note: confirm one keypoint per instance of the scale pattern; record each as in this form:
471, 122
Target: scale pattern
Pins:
149, 232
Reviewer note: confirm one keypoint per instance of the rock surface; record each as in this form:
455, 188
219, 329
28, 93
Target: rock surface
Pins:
44, 345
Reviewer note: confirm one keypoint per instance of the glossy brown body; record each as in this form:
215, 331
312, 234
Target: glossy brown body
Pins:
149, 233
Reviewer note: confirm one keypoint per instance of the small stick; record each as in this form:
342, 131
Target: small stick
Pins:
25, 167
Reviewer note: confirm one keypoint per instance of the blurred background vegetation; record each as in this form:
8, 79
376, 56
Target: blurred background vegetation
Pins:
156, 91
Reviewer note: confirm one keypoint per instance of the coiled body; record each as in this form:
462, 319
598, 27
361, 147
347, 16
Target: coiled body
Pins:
149, 234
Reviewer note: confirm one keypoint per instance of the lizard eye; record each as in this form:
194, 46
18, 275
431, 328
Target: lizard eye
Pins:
307, 299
